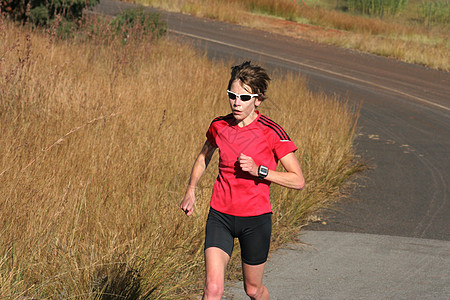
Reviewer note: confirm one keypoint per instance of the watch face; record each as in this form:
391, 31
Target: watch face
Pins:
263, 171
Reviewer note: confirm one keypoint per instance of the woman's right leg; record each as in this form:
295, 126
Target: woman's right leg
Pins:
216, 261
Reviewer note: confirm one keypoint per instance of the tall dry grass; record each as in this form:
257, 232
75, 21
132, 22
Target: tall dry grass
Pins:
97, 141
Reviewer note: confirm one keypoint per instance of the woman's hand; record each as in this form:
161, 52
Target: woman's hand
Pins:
248, 164
187, 204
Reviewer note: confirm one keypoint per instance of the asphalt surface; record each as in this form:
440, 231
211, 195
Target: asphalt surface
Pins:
390, 239
342, 265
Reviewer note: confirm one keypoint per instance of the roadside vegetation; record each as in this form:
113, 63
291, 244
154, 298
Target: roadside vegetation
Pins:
99, 129
414, 31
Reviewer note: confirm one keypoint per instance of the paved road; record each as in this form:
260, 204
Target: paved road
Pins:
341, 265
391, 239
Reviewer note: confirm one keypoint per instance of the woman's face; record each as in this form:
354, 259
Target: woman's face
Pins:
243, 111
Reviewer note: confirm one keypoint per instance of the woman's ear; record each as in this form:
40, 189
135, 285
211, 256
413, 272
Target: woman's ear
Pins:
258, 101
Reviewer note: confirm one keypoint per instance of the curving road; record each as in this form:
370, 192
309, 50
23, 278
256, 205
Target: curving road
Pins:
404, 130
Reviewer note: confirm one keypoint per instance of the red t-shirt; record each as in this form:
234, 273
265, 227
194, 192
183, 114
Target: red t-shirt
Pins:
237, 192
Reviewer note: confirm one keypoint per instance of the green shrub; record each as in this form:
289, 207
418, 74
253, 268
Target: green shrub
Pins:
39, 15
41, 12
435, 12
137, 22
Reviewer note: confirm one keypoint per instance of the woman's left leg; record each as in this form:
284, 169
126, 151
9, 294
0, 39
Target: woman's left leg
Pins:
253, 281
255, 244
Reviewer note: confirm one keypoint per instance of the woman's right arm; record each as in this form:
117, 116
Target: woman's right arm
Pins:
200, 165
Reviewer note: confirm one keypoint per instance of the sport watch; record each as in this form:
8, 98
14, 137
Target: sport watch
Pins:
262, 172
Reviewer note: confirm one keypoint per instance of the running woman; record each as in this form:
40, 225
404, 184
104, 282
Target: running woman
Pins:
250, 146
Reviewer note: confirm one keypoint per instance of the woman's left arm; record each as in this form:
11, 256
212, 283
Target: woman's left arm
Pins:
292, 178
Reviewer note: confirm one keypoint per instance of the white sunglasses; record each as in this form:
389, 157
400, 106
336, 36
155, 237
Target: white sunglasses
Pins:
243, 97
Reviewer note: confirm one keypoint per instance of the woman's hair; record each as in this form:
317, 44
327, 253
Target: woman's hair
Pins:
254, 76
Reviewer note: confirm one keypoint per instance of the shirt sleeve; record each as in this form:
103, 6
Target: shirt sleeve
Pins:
283, 147
282, 143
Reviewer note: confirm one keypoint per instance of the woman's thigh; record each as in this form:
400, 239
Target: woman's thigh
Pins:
216, 261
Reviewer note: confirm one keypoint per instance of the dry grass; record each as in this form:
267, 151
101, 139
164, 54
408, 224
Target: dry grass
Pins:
408, 42
395, 37
95, 140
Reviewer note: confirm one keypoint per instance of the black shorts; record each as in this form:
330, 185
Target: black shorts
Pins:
253, 234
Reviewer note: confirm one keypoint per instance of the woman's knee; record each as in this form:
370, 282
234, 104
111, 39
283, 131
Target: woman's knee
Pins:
214, 290
256, 291
216, 261
252, 291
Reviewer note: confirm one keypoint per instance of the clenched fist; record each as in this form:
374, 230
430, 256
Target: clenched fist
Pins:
247, 164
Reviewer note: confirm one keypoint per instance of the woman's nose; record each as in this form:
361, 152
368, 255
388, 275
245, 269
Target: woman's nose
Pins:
237, 101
